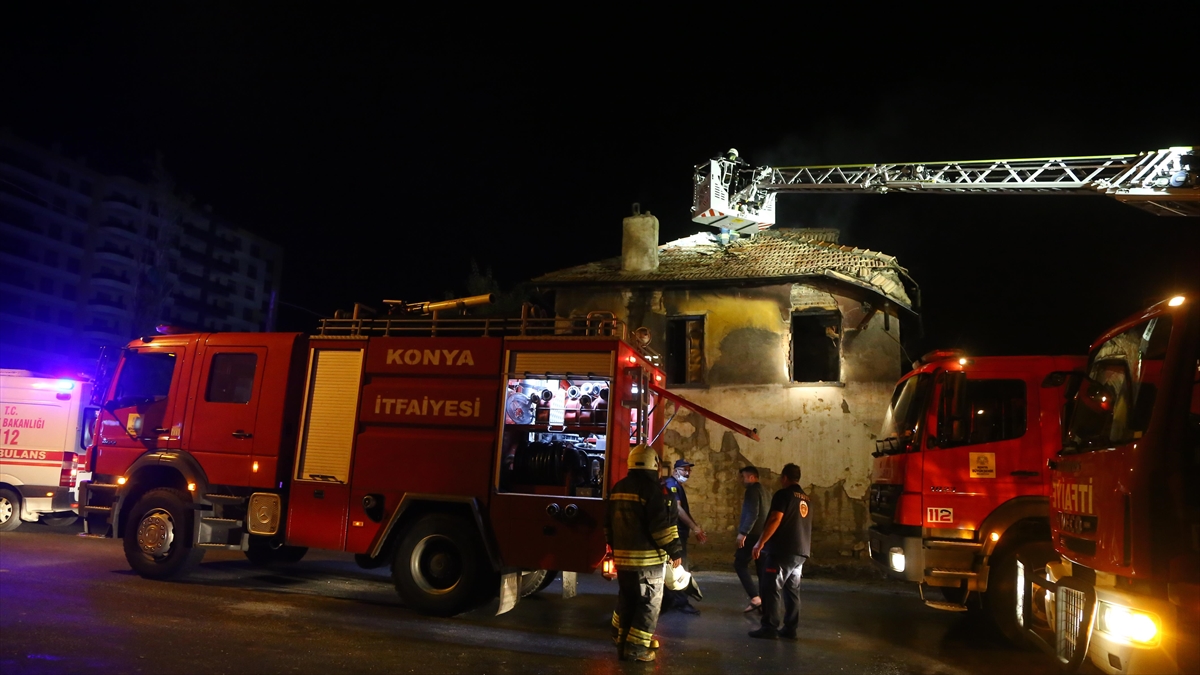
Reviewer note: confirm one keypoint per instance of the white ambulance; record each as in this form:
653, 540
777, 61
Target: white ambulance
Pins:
46, 424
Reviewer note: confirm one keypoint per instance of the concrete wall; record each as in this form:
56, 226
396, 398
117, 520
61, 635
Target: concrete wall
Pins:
829, 430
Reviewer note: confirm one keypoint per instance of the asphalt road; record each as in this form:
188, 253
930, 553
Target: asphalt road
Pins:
70, 604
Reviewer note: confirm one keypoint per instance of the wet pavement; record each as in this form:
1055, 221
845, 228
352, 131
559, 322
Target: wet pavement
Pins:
70, 604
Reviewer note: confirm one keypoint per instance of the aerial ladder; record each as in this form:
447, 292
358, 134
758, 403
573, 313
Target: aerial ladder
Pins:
732, 195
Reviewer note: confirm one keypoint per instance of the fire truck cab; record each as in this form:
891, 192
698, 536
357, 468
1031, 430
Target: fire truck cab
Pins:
1125, 593
959, 481
469, 455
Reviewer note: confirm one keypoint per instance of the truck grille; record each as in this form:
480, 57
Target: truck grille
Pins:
882, 501
1070, 607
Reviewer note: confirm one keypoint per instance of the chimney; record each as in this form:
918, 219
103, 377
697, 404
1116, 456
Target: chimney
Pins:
639, 242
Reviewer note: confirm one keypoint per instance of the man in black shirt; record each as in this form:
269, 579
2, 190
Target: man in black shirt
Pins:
786, 541
754, 516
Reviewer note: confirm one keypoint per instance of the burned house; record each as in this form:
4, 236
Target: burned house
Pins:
785, 331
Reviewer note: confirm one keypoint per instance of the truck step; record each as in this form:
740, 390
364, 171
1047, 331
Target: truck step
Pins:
103, 486
948, 572
225, 499
951, 544
230, 547
222, 522
85, 509
946, 606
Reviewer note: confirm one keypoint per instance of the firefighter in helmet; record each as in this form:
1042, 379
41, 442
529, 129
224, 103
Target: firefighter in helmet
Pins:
642, 539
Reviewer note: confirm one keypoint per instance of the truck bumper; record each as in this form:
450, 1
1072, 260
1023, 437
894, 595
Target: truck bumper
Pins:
39, 499
899, 557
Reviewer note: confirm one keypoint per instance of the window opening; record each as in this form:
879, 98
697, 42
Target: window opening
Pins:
685, 350
816, 347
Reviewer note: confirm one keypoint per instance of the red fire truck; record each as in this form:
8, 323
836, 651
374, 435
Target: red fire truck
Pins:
1125, 517
959, 484
469, 454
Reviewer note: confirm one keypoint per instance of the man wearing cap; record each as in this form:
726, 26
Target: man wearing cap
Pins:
678, 600
642, 538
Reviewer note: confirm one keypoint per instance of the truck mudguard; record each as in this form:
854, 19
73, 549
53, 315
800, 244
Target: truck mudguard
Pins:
413, 498
1035, 507
182, 463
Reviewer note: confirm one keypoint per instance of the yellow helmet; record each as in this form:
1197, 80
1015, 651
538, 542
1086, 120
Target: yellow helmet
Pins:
643, 457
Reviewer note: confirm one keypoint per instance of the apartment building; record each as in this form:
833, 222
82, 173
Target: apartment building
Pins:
89, 259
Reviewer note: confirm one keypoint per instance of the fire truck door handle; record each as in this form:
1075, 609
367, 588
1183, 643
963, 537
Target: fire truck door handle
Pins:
1025, 474
241, 434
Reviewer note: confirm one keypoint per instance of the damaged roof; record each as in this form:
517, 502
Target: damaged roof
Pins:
778, 253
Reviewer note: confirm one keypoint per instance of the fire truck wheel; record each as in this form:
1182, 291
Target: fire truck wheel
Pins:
441, 567
1000, 601
158, 536
534, 581
262, 553
59, 521
10, 510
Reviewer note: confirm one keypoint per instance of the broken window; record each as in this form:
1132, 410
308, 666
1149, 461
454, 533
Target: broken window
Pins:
816, 346
685, 350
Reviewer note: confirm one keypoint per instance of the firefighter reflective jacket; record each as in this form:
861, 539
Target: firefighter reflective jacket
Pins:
636, 523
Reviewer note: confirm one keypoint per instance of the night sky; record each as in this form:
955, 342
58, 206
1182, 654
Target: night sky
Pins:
386, 152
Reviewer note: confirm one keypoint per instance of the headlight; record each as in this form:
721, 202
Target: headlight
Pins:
1129, 625
896, 558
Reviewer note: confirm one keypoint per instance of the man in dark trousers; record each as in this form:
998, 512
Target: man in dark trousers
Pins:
755, 505
642, 539
678, 600
786, 542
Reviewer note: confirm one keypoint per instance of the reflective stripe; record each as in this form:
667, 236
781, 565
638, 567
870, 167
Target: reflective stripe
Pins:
616, 622
626, 497
663, 537
638, 637
638, 559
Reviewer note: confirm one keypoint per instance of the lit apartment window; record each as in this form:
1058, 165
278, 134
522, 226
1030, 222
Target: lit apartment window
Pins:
685, 350
816, 346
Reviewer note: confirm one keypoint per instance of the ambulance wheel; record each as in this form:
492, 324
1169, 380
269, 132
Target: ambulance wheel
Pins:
59, 521
10, 510
261, 553
441, 567
158, 535
1000, 601
534, 581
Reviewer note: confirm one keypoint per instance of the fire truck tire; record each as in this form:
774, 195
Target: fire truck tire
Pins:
158, 536
10, 510
441, 568
1000, 601
534, 581
261, 553
59, 521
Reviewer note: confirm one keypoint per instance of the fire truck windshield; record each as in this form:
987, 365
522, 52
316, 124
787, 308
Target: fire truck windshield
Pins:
1114, 401
145, 378
904, 414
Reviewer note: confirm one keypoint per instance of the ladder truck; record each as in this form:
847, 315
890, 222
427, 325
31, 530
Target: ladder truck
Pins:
472, 456
960, 488
729, 194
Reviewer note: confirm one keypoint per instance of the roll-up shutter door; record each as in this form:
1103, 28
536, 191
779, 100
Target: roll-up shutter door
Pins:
327, 432
576, 363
